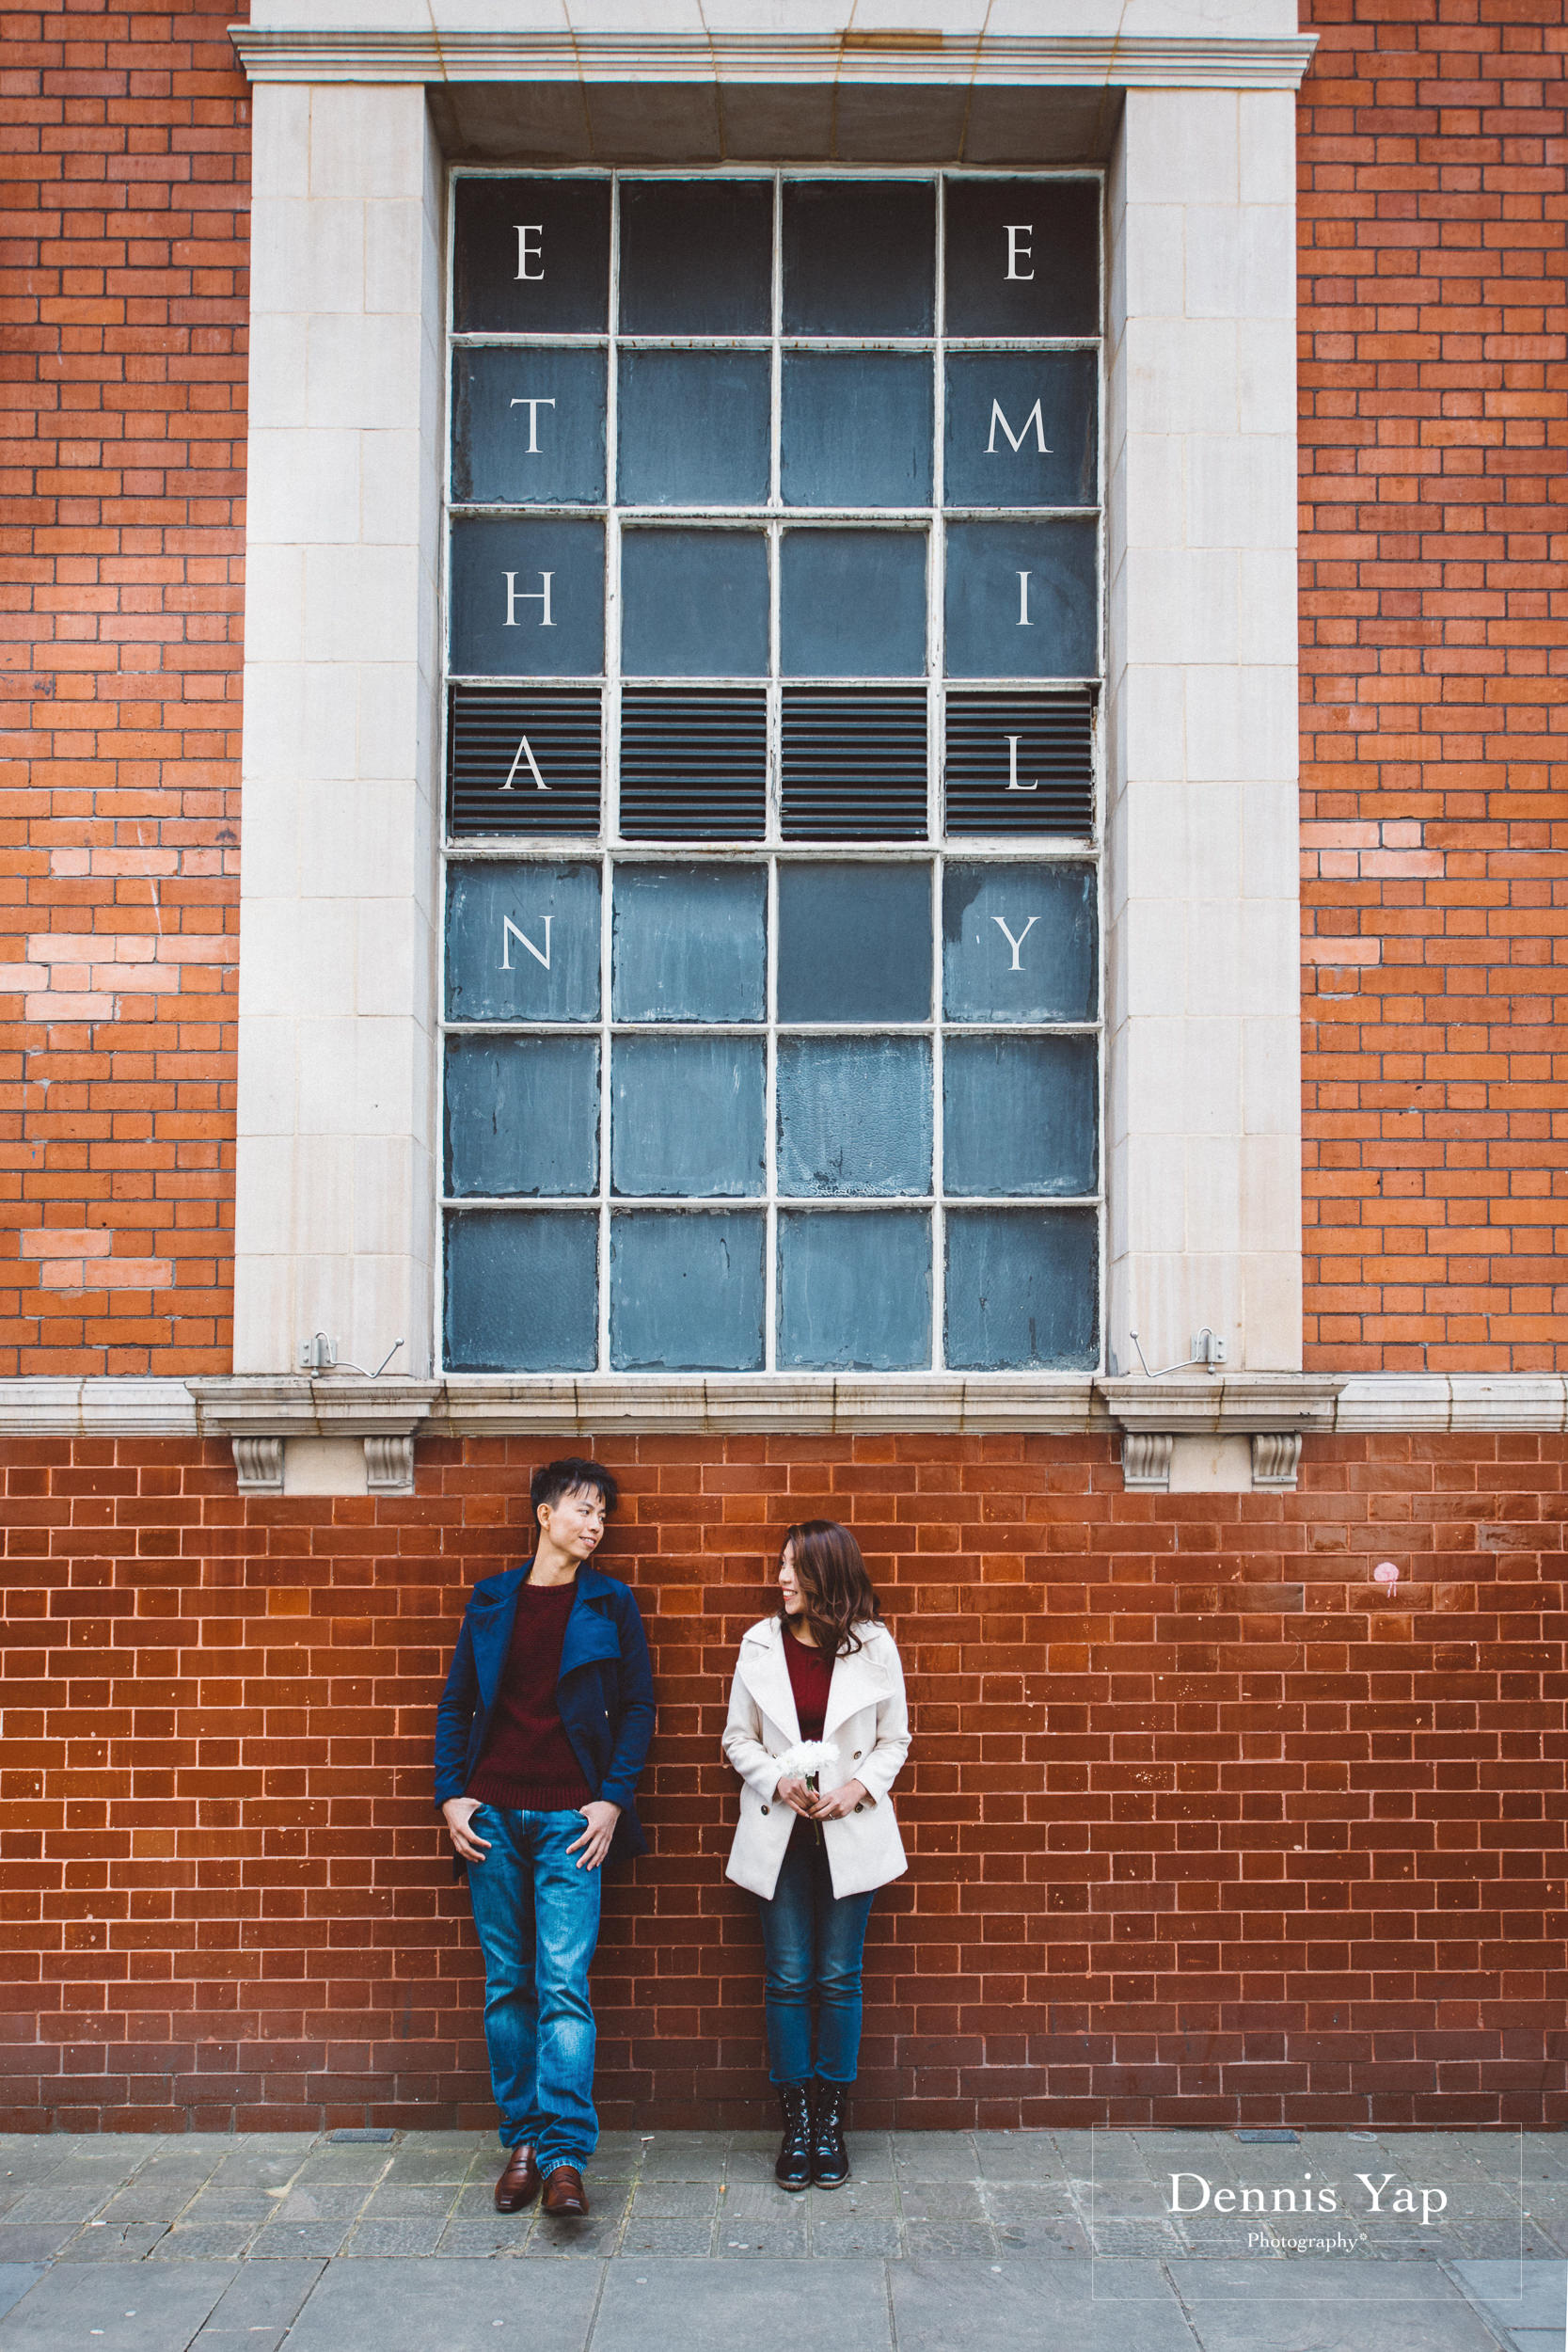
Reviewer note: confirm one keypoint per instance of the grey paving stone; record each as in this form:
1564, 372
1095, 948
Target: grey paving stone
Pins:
64, 2196
265, 2294
232, 2205
418, 2166
1018, 2156
323, 2201
935, 2156
15, 2279
574, 2241
1046, 2236
1536, 2339
399, 2306
1315, 2279
398, 2200
1504, 2241
334, 2167
949, 2239
673, 2200
839, 2234
685, 2157
1526, 2295
379, 2239
783, 2235
128, 2244
762, 2201
1102, 2156
684, 2239
752, 2166
1029, 2201
202, 2241
969, 2306
501, 2234
148, 2199
764, 2306
292, 2238
945, 2201
1126, 2238
34, 2241
155, 2308
269, 2166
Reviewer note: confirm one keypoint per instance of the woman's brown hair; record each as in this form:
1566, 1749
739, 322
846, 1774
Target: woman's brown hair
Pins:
833, 1584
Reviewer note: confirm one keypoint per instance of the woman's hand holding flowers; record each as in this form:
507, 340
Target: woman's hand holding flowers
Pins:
798, 1796
836, 1802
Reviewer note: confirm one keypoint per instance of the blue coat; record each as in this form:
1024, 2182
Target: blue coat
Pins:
605, 1692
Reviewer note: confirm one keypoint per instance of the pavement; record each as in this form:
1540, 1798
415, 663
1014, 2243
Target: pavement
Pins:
1066, 2241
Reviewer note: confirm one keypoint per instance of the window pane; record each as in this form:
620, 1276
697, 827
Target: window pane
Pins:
1019, 1115
521, 759
694, 765
522, 1290
859, 258
1019, 943
854, 1115
1022, 256
685, 1291
694, 428
527, 598
1018, 763
532, 257
522, 943
1022, 1290
522, 1115
694, 603
527, 425
690, 943
855, 1291
852, 604
1046, 404
1022, 600
854, 943
852, 763
687, 1117
696, 257
857, 429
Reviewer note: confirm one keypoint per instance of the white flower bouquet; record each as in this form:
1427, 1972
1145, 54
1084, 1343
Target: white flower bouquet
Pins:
804, 1761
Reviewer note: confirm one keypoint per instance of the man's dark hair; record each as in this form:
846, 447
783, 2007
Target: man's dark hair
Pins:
564, 1478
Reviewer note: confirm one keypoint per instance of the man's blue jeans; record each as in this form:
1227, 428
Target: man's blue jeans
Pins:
538, 1921
812, 1943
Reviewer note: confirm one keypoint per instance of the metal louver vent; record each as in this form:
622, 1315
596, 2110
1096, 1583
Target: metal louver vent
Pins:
523, 760
1019, 763
693, 766
854, 763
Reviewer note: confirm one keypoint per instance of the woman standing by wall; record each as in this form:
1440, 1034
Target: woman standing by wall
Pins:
824, 1669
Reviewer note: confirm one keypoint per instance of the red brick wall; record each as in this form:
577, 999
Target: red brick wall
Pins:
123, 355
1433, 177
1203, 1824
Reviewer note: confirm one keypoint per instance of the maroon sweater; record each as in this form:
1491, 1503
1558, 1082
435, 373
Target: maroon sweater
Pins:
810, 1677
527, 1764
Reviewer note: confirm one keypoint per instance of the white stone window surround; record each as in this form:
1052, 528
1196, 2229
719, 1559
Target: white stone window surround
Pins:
337, 1179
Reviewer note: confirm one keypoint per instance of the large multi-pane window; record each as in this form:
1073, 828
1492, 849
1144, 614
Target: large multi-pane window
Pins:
771, 991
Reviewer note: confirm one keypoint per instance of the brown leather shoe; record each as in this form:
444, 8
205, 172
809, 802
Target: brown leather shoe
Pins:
518, 2185
565, 2199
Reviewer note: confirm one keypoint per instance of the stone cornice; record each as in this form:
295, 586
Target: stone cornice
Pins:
1036, 61
342, 1404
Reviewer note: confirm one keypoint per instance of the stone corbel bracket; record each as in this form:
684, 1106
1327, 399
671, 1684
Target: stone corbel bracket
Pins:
1272, 1410
258, 1416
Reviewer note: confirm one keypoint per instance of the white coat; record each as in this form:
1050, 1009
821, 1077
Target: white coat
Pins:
867, 1722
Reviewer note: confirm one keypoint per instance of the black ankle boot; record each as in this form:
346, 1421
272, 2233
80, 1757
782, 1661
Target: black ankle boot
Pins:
793, 2166
830, 2158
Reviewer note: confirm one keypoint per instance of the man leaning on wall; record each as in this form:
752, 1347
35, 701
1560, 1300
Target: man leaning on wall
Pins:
540, 1736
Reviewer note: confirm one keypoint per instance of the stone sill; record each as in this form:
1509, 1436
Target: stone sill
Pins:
342, 1404
418, 52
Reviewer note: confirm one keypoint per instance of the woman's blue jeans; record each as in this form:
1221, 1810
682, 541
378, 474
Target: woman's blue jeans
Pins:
538, 1921
812, 1944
